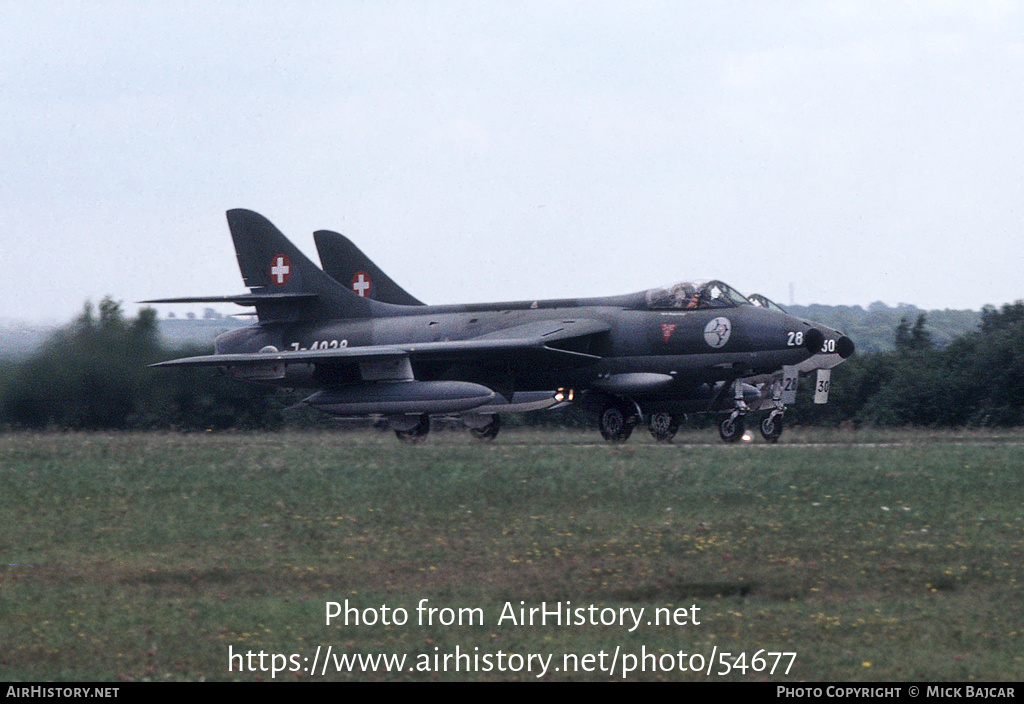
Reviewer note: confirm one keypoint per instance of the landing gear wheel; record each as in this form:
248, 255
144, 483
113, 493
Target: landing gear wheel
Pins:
417, 434
489, 431
663, 426
731, 429
771, 427
614, 425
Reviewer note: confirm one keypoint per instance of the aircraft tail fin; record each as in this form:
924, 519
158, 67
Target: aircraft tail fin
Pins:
346, 264
285, 285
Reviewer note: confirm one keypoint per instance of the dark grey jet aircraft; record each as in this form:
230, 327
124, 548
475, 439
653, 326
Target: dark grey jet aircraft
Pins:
343, 261
648, 356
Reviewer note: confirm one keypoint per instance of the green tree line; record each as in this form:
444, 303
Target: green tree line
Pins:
95, 374
975, 380
872, 327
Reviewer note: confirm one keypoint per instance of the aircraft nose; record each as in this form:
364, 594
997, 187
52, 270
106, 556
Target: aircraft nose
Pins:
845, 346
813, 340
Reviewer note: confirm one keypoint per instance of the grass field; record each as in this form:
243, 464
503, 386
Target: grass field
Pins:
871, 556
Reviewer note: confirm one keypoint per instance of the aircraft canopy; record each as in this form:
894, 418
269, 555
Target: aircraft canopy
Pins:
764, 302
695, 295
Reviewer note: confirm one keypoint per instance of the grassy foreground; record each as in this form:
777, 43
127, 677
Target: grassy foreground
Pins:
157, 556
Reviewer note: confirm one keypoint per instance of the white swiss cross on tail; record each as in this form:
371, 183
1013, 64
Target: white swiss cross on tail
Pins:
280, 269
361, 284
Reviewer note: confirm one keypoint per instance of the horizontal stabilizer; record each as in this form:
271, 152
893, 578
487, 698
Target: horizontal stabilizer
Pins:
242, 299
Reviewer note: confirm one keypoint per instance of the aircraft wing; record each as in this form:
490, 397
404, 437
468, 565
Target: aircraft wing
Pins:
524, 341
547, 331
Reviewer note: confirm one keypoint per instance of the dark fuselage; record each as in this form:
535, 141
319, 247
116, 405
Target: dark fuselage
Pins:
674, 344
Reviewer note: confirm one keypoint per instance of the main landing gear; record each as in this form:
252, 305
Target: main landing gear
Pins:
414, 429
489, 431
663, 426
416, 432
616, 422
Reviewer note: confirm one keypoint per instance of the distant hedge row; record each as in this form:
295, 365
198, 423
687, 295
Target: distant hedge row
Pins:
976, 380
94, 374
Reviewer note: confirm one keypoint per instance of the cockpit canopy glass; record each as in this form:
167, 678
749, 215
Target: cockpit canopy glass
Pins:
764, 302
695, 295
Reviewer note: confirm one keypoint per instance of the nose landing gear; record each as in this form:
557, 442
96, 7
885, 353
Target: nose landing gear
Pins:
731, 429
771, 426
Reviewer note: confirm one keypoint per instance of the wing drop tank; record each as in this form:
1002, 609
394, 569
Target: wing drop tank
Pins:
401, 397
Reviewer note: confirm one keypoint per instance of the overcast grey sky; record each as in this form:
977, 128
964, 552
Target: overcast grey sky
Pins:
482, 151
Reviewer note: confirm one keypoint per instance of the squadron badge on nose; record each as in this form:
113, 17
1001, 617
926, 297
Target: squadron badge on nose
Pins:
716, 333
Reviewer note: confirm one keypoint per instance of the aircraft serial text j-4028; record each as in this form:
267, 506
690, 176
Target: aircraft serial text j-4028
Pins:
368, 348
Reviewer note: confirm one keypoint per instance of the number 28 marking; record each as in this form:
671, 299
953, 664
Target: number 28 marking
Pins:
796, 339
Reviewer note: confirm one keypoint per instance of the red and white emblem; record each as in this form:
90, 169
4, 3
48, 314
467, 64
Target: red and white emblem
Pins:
667, 329
361, 284
716, 333
280, 269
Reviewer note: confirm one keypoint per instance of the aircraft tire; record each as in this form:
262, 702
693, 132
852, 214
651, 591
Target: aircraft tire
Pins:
415, 435
663, 426
731, 429
614, 425
771, 428
489, 431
